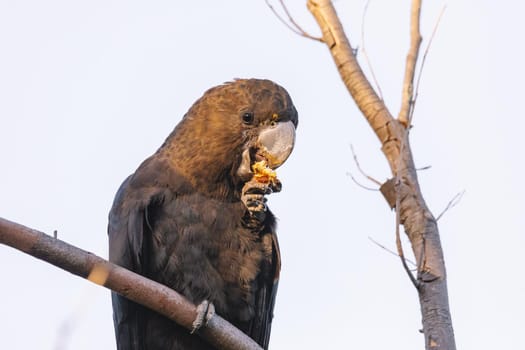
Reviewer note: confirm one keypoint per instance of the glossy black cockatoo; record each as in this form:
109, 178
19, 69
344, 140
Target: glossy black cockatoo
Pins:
194, 217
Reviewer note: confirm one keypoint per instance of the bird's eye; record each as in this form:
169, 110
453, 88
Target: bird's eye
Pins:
247, 118
275, 117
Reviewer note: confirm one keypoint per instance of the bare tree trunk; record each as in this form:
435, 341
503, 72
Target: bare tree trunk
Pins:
402, 191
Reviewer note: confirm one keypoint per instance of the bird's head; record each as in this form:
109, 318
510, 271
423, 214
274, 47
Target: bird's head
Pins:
231, 127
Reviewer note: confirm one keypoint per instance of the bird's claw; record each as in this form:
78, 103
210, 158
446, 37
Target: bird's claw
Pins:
205, 311
253, 197
255, 202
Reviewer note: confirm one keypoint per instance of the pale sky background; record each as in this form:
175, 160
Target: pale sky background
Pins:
88, 89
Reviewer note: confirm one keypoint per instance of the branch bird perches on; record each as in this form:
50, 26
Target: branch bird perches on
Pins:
218, 332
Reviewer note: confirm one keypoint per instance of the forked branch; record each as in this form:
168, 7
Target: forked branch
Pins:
452, 203
402, 191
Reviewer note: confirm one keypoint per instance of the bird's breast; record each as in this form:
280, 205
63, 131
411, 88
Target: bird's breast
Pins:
200, 248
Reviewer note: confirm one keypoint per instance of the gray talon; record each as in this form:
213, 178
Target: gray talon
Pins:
205, 311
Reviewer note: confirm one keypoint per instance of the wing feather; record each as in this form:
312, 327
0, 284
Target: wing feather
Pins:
128, 226
261, 325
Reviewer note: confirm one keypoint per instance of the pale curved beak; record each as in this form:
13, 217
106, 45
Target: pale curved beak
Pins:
276, 142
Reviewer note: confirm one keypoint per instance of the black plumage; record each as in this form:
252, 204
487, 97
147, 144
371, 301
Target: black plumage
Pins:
192, 217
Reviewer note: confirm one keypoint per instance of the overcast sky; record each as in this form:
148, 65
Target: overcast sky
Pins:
88, 89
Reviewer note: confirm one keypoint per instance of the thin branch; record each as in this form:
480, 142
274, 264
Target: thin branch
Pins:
426, 167
218, 332
360, 184
404, 118
452, 203
365, 54
398, 237
411, 61
389, 250
361, 170
294, 27
420, 73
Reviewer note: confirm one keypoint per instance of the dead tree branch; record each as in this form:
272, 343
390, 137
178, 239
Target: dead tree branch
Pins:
402, 191
389, 250
218, 332
361, 169
410, 67
294, 26
452, 203
360, 184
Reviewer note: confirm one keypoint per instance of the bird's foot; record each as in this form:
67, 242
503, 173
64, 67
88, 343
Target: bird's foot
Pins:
253, 197
205, 311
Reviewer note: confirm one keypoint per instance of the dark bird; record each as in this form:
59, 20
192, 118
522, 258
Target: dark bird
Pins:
194, 218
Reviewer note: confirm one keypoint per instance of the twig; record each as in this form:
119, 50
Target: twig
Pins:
410, 68
295, 27
426, 167
420, 73
389, 250
452, 203
218, 332
361, 170
365, 54
360, 184
403, 118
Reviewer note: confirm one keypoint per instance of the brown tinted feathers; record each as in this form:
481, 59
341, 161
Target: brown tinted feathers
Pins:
179, 220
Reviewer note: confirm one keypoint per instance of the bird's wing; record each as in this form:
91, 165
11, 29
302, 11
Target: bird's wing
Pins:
128, 225
265, 300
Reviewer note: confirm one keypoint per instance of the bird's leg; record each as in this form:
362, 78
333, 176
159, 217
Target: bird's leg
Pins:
205, 311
